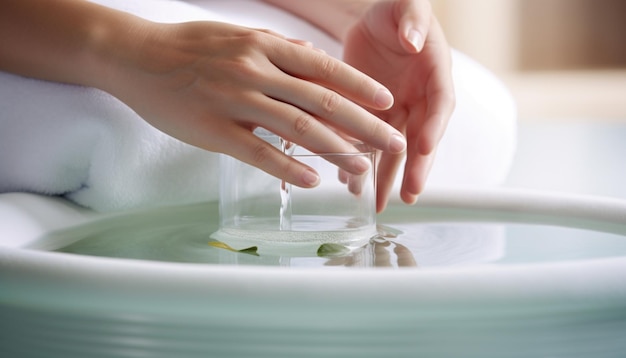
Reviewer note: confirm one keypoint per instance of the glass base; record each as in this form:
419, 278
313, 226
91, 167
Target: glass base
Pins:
293, 241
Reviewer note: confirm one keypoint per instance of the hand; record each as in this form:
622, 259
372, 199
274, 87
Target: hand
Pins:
401, 44
211, 84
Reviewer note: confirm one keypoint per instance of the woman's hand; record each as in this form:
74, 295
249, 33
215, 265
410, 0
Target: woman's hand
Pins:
401, 44
211, 84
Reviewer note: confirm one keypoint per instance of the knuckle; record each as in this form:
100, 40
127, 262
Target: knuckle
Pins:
290, 167
260, 153
446, 102
245, 67
245, 62
326, 67
366, 84
330, 102
303, 124
376, 128
254, 38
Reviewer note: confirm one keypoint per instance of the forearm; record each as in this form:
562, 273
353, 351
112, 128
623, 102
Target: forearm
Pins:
67, 41
335, 17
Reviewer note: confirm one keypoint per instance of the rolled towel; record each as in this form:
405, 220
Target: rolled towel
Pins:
88, 146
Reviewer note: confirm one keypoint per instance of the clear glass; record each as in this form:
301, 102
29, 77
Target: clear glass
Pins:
259, 209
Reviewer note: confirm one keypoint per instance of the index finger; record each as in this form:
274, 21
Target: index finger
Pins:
333, 96
332, 73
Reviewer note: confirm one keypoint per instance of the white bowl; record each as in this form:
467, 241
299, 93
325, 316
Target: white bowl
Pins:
56, 304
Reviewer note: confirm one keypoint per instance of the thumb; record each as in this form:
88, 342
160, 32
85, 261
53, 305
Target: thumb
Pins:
413, 23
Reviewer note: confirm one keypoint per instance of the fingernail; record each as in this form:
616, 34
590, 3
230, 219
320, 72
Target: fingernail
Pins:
310, 177
362, 164
416, 39
397, 144
383, 98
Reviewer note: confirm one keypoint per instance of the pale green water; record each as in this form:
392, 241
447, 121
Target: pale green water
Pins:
182, 234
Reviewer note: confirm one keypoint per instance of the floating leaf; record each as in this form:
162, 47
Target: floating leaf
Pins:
326, 250
252, 250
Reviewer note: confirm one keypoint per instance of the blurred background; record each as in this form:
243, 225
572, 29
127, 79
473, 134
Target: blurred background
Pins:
560, 58
564, 62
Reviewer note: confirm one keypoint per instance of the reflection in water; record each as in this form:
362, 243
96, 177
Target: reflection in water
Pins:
184, 237
181, 234
379, 254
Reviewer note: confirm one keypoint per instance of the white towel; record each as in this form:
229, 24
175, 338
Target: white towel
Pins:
88, 146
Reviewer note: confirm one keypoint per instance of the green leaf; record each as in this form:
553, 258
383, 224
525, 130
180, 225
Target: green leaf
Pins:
326, 250
252, 250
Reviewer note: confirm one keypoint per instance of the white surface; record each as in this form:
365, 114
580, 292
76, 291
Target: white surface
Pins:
581, 156
71, 305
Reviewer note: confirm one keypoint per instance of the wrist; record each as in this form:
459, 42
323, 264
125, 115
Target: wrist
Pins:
62, 40
112, 47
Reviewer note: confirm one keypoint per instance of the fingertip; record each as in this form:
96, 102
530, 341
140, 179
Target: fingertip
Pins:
414, 22
310, 178
415, 39
412, 186
383, 98
380, 207
382, 198
397, 143
408, 198
362, 165
381, 203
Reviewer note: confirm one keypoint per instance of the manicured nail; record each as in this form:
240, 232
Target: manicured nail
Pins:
383, 98
310, 177
397, 144
362, 164
416, 39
